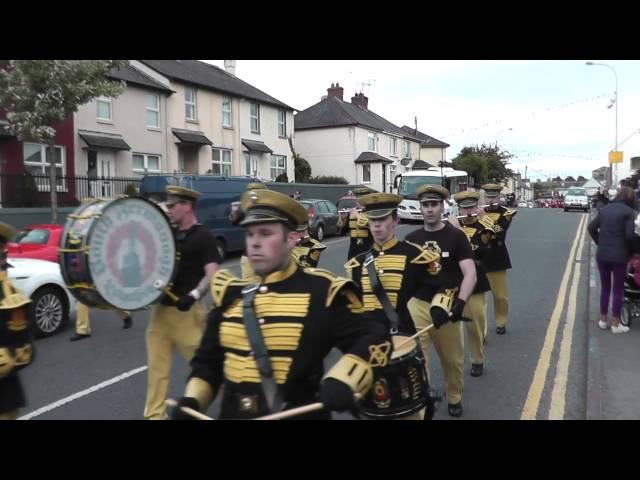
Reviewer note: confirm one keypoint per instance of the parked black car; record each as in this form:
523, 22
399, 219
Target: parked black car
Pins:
323, 218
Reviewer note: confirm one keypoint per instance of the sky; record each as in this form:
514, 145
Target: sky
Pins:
552, 115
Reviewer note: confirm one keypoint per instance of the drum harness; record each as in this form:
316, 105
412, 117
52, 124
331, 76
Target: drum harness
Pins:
269, 386
380, 294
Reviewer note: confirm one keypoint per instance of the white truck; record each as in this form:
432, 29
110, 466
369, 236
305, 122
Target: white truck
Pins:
406, 184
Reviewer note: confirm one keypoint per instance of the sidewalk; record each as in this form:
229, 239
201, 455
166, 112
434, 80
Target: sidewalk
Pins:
613, 361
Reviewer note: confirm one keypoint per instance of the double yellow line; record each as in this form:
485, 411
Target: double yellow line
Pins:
532, 404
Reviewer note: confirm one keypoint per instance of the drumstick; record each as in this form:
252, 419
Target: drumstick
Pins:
190, 411
160, 285
414, 336
312, 407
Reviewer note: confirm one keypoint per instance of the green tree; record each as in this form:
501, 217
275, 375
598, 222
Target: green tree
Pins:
332, 180
40, 94
485, 163
301, 166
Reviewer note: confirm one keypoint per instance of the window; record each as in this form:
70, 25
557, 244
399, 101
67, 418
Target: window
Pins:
282, 123
392, 176
145, 163
103, 106
322, 207
278, 165
366, 173
247, 164
190, 104
373, 142
393, 150
407, 149
153, 111
221, 164
37, 236
36, 161
226, 112
255, 118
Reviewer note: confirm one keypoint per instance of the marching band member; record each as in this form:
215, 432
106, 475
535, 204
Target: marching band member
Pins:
16, 349
179, 323
479, 232
360, 236
448, 287
397, 266
497, 261
267, 335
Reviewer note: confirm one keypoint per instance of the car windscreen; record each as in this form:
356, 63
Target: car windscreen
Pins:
33, 236
409, 185
347, 203
577, 192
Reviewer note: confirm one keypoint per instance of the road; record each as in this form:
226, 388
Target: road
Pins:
537, 370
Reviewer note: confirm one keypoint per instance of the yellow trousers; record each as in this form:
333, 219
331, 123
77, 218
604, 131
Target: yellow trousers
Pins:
500, 291
476, 310
169, 328
10, 415
83, 326
448, 341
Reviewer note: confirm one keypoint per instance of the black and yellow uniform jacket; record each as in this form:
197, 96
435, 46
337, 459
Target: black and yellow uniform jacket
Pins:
16, 349
401, 268
480, 234
303, 314
360, 236
498, 257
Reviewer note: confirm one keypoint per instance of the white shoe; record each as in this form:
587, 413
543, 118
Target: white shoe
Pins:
619, 329
603, 325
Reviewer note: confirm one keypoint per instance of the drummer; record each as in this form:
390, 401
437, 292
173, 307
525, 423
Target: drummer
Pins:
302, 313
179, 323
399, 266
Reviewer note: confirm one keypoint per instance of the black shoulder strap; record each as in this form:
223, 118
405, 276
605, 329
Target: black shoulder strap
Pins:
381, 295
261, 355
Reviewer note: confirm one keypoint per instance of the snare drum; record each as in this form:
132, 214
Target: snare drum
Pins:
113, 252
401, 388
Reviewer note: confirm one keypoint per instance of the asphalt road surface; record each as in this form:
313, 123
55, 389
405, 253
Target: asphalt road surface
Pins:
536, 371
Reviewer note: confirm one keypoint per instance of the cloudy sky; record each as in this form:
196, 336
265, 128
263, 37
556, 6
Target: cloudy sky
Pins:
557, 110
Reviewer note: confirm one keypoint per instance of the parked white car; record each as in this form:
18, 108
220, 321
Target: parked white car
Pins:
522, 204
51, 302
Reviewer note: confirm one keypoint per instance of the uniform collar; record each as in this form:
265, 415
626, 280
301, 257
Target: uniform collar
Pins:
280, 275
389, 244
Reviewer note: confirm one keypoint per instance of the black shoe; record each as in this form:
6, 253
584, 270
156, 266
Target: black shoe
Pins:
126, 322
476, 369
455, 409
501, 330
79, 336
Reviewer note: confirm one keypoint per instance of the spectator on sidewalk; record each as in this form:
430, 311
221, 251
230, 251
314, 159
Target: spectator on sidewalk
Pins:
612, 230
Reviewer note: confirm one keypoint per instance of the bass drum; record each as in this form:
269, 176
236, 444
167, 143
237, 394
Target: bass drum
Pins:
115, 253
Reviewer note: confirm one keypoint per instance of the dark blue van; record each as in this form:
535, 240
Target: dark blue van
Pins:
213, 206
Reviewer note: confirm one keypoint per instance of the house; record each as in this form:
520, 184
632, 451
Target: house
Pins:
218, 123
432, 150
347, 139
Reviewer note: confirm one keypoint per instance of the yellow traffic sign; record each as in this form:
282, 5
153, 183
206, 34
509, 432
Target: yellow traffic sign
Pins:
615, 157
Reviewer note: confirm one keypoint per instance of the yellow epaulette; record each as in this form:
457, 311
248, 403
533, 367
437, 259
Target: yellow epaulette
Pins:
353, 263
510, 212
426, 256
316, 245
11, 298
487, 223
224, 279
363, 220
337, 283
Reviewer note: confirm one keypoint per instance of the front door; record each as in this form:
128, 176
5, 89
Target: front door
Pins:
101, 170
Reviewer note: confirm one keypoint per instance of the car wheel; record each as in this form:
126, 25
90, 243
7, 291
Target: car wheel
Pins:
320, 233
48, 311
222, 248
566, 209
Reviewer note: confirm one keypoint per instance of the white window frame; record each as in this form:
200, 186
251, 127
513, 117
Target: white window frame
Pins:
145, 161
109, 102
193, 104
393, 147
374, 137
278, 170
407, 149
368, 168
282, 123
43, 163
228, 111
222, 163
155, 110
256, 117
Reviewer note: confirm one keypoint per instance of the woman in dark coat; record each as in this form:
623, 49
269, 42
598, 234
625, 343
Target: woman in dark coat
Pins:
612, 231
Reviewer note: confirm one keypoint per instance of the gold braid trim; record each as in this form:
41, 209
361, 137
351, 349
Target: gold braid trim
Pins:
379, 354
222, 280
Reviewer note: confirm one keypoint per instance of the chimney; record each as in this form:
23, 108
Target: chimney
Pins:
230, 67
360, 100
335, 91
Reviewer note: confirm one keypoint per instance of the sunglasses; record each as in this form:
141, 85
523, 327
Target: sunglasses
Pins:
430, 203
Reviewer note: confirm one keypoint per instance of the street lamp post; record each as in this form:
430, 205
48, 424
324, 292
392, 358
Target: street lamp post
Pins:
502, 131
613, 171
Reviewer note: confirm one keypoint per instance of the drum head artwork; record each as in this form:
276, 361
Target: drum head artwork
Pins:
130, 248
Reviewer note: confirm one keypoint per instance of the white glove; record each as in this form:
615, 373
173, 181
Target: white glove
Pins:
637, 223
